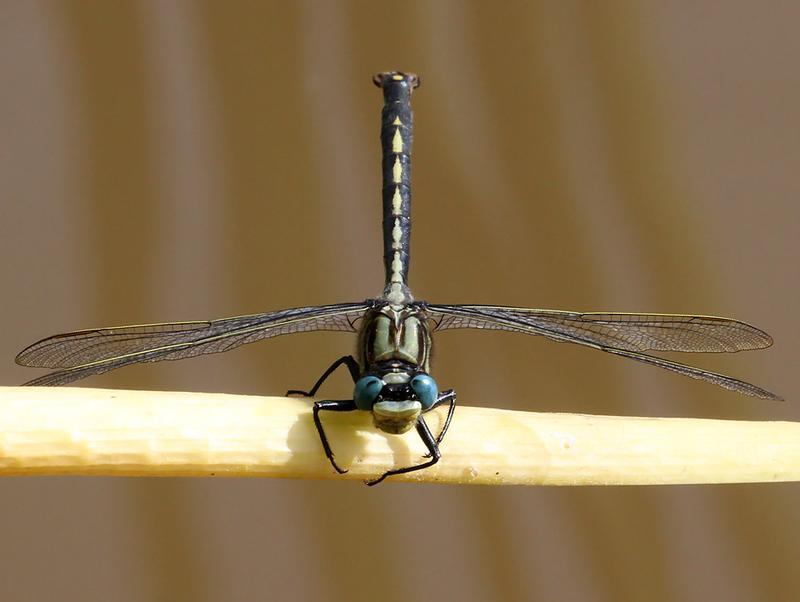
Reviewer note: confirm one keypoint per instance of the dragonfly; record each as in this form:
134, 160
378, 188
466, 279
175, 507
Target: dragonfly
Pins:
391, 367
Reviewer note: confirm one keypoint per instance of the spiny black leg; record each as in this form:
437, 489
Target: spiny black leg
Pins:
348, 360
444, 397
344, 405
433, 453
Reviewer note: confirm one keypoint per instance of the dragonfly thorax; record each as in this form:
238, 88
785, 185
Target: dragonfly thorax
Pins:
394, 335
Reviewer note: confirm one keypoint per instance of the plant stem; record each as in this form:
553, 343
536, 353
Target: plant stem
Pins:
77, 431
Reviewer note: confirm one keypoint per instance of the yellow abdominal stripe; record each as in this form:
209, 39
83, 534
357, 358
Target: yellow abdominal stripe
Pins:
397, 202
397, 142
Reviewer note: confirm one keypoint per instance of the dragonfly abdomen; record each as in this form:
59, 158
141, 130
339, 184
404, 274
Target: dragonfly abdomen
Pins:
396, 139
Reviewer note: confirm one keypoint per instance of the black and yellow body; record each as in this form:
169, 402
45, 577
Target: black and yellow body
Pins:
391, 374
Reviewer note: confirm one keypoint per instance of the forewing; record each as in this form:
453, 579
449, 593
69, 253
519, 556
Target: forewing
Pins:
628, 331
89, 352
623, 334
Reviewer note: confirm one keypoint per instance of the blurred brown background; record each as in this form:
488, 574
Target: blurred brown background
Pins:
186, 160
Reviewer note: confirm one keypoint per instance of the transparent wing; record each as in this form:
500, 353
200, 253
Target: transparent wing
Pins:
87, 352
629, 331
625, 334
721, 380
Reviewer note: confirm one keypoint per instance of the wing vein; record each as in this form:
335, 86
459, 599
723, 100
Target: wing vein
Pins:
84, 353
623, 334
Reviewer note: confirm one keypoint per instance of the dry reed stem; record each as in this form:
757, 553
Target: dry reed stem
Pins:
77, 431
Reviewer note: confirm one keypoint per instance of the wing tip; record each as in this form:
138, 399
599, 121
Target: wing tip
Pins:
22, 359
771, 396
765, 340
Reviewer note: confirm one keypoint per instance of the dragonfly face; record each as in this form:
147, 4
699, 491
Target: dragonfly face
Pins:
396, 398
391, 373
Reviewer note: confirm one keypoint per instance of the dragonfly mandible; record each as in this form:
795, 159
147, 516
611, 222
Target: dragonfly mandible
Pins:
391, 370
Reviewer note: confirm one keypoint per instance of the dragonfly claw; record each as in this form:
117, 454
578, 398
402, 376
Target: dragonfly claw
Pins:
336, 467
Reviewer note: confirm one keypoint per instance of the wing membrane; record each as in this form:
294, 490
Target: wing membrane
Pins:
624, 334
721, 380
629, 331
87, 352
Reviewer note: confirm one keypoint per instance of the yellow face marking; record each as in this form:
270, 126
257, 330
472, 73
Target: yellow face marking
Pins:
397, 142
397, 171
397, 201
397, 78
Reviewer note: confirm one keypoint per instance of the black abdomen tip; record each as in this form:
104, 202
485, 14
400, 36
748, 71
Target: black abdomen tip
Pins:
386, 77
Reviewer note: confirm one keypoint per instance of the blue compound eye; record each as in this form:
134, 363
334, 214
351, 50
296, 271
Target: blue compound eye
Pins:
425, 388
367, 391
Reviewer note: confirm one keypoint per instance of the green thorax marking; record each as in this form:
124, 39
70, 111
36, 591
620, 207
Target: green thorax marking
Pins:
390, 335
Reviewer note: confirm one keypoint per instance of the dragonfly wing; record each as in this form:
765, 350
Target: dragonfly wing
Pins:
629, 331
624, 334
87, 352
726, 382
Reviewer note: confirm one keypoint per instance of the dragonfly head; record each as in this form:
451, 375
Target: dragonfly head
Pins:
396, 400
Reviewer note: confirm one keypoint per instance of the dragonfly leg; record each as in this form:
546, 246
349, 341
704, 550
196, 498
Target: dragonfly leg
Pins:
347, 360
344, 405
433, 453
445, 397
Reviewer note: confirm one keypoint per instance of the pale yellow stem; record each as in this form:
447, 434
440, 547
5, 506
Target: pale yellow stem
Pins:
75, 431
